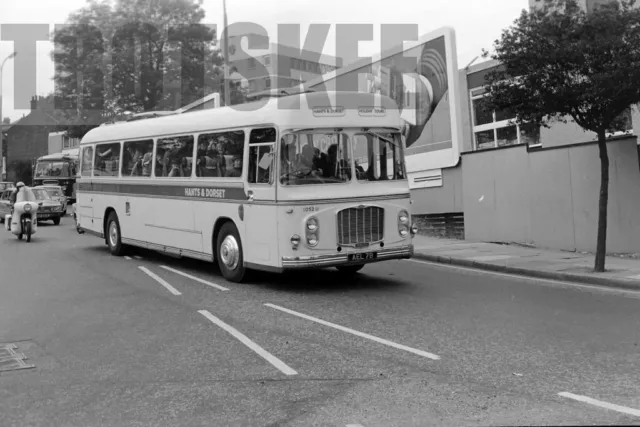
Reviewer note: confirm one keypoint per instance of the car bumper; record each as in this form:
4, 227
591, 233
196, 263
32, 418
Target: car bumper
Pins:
49, 215
338, 259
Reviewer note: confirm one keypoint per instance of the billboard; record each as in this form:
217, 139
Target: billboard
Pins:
422, 78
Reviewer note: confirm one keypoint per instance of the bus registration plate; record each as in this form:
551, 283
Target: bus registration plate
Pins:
365, 256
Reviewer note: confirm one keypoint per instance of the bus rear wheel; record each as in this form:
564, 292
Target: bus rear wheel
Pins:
114, 240
229, 253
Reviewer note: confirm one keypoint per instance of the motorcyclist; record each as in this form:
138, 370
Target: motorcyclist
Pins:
14, 194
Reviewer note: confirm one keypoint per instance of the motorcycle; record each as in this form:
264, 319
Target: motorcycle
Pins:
23, 221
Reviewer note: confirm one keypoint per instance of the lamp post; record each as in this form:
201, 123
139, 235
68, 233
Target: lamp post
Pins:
227, 100
2, 172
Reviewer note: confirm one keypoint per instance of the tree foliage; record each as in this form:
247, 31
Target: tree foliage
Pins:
123, 56
559, 62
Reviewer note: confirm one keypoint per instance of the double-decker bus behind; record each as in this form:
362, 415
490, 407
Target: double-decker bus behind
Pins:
58, 169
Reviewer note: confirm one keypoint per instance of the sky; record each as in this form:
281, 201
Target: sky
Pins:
476, 23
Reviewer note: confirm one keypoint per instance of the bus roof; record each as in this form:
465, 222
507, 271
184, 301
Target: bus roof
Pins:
58, 156
310, 110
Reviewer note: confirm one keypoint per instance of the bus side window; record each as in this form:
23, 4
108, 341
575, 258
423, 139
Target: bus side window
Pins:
220, 155
261, 158
174, 157
137, 158
107, 159
87, 161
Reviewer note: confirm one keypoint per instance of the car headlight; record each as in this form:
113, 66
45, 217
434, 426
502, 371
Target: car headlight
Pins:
27, 207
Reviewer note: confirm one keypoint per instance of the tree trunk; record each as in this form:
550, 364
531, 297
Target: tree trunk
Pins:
601, 248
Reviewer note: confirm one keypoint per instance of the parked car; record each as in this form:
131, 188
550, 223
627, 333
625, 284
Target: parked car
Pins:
56, 192
49, 209
6, 186
5, 205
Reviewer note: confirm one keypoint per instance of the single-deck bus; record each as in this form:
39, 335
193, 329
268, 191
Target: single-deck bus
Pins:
58, 169
296, 183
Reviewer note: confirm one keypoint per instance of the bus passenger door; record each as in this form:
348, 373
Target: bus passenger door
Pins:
260, 243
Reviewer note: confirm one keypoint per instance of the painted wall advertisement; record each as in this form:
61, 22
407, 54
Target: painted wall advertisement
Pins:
427, 95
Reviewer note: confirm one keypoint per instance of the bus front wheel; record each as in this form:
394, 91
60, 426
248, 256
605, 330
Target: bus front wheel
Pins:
229, 253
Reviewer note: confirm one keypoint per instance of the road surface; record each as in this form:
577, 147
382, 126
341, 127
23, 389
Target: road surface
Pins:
149, 340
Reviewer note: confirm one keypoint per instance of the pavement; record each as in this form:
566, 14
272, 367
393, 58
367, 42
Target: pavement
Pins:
149, 340
621, 272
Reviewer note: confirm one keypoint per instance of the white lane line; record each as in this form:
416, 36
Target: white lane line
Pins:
360, 334
611, 406
279, 364
161, 281
137, 257
128, 258
628, 292
197, 279
354, 425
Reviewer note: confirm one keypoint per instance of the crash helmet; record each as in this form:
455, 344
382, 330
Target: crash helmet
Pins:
19, 185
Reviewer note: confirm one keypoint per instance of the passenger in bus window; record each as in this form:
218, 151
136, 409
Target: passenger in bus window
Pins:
307, 159
236, 170
146, 164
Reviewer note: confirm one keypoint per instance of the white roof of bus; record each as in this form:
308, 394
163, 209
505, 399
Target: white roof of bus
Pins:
283, 111
58, 156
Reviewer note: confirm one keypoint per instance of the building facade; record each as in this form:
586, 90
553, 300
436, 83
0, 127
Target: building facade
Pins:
278, 66
60, 143
28, 139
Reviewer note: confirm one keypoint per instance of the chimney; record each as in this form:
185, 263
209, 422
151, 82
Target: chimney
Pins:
34, 103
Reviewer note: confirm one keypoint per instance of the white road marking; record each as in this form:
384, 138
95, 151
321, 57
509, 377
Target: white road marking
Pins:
629, 292
279, 364
161, 281
137, 257
354, 425
197, 279
128, 258
611, 406
360, 334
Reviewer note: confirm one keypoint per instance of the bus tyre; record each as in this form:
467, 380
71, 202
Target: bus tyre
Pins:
114, 240
350, 270
229, 253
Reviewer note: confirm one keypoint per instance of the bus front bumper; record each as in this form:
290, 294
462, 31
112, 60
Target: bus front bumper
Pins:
339, 259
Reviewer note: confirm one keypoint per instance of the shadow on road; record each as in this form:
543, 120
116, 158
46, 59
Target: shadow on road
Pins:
327, 280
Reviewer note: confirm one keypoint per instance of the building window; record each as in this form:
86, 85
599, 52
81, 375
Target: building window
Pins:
627, 127
267, 82
493, 129
267, 60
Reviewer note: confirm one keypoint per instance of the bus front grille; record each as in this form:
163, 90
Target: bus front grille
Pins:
360, 226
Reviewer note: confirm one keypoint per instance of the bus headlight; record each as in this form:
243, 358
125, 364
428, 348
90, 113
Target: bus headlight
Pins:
312, 231
403, 217
312, 239
312, 224
403, 223
27, 207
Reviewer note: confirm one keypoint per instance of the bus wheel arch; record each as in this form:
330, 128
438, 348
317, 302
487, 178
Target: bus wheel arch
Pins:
228, 251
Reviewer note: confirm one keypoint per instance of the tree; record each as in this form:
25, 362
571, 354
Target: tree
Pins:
125, 52
562, 62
